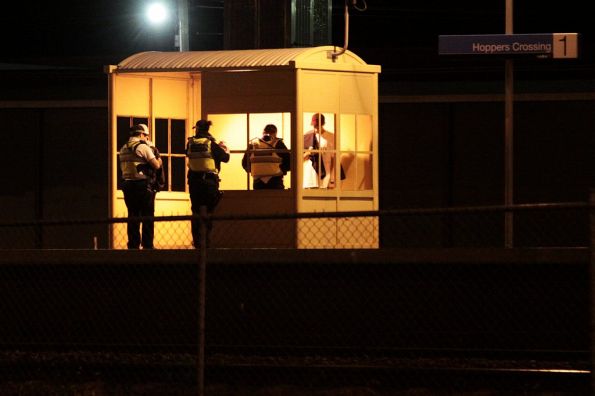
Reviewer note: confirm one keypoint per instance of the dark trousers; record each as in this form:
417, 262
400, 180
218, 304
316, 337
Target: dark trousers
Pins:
140, 202
204, 191
274, 183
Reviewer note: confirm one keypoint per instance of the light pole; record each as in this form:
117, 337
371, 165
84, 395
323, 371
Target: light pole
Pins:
183, 43
508, 136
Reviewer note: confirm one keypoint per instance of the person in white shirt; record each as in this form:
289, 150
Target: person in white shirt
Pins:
319, 157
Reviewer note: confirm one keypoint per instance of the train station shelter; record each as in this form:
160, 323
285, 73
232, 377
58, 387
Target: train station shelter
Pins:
241, 91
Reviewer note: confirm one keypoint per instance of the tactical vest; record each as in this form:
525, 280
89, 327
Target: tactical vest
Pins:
200, 157
263, 161
130, 161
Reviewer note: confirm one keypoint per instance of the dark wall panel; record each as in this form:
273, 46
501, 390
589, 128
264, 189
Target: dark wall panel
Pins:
477, 132
19, 139
452, 155
56, 170
555, 143
413, 155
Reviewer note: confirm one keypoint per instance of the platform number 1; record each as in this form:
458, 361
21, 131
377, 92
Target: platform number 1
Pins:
565, 45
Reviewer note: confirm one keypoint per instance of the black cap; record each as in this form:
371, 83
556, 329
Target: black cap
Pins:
202, 125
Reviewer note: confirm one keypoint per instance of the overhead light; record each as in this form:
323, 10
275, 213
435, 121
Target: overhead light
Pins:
157, 13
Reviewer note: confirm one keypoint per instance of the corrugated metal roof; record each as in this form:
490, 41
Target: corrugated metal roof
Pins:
235, 59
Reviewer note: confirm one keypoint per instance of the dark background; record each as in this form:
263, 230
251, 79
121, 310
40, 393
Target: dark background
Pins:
401, 36
441, 119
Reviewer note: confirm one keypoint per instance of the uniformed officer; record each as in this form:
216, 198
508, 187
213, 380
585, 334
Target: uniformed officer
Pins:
204, 164
138, 163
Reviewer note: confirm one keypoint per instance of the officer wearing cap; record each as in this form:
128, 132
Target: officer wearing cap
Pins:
204, 164
137, 162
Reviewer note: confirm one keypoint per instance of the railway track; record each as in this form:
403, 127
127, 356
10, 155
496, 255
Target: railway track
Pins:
542, 372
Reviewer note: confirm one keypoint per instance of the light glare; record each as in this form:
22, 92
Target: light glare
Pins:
157, 13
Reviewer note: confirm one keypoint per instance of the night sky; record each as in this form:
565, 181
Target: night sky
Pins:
393, 33
110, 29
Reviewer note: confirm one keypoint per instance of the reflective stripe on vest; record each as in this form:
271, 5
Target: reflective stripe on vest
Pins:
200, 157
264, 163
129, 161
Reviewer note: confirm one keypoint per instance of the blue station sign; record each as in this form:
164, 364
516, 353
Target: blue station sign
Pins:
547, 45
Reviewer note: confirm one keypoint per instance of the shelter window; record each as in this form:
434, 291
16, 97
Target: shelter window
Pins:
236, 130
169, 136
170, 140
349, 139
356, 152
319, 156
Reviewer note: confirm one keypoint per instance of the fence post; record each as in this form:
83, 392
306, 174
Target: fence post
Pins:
202, 270
592, 286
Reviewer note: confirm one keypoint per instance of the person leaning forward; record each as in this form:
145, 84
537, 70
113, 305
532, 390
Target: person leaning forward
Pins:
268, 160
138, 164
204, 164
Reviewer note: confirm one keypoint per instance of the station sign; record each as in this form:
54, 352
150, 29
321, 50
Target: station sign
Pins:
544, 45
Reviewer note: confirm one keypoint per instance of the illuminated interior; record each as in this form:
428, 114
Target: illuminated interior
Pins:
236, 130
353, 136
241, 92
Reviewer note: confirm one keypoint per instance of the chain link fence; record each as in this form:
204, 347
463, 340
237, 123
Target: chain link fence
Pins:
295, 296
535, 225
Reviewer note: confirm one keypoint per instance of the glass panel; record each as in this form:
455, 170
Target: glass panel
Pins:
257, 122
358, 172
122, 131
349, 169
230, 128
347, 123
178, 176
319, 170
327, 170
364, 168
233, 176
178, 136
356, 137
364, 133
140, 120
160, 135
233, 130
236, 130
284, 130
166, 170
